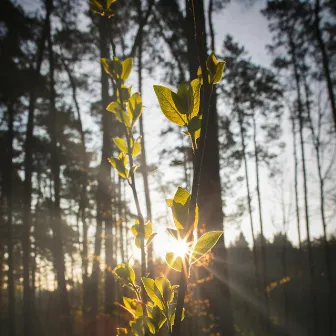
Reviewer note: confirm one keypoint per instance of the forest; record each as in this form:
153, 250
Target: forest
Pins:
167, 167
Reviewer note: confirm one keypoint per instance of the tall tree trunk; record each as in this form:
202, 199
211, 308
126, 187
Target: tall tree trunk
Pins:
144, 168
28, 314
104, 174
317, 146
305, 187
10, 249
84, 182
55, 168
296, 191
249, 198
210, 198
325, 59
263, 252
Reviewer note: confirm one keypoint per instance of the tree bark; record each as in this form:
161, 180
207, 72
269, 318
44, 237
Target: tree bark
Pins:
10, 247
209, 197
56, 220
325, 60
305, 187
28, 313
143, 160
297, 206
104, 174
249, 199
263, 252
317, 146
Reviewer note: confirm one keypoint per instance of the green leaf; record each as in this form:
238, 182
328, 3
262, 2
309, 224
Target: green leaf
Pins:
174, 233
219, 72
135, 107
121, 144
194, 126
136, 150
157, 316
148, 229
181, 196
132, 171
120, 165
150, 239
166, 100
149, 324
195, 85
125, 272
204, 244
169, 202
138, 241
121, 115
180, 207
196, 216
149, 285
165, 289
127, 65
174, 261
124, 94
211, 63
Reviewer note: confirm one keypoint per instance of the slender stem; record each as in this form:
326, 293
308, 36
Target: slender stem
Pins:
134, 190
207, 91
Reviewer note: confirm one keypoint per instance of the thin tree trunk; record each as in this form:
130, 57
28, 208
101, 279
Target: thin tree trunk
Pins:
325, 60
10, 249
263, 252
144, 168
297, 207
84, 182
317, 147
55, 168
104, 174
206, 173
305, 187
249, 200
28, 313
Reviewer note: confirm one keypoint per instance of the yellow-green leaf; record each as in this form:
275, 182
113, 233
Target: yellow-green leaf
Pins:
149, 285
125, 272
219, 72
169, 202
195, 85
164, 287
121, 144
166, 100
150, 239
204, 244
174, 261
148, 229
136, 150
181, 196
126, 68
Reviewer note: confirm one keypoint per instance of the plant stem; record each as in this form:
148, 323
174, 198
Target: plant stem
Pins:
207, 91
134, 192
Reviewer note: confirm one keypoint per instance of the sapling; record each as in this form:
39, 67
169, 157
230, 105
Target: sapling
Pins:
155, 302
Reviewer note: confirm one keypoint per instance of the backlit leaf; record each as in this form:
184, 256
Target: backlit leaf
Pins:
149, 285
126, 68
121, 144
174, 261
166, 100
204, 244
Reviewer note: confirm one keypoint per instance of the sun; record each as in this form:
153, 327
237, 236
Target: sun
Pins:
179, 247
